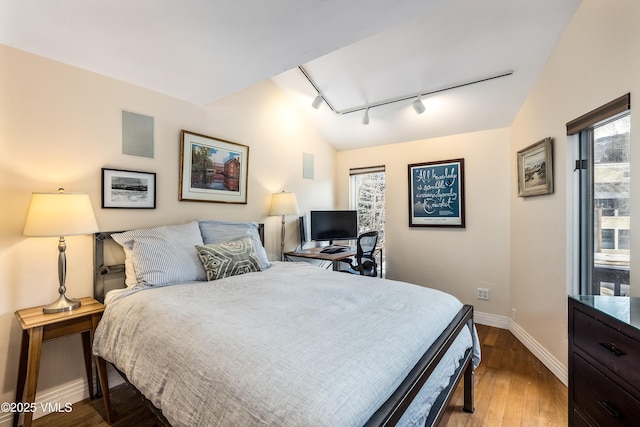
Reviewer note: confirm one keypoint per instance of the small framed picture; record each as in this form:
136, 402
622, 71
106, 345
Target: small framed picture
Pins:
436, 194
212, 169
535, 169
128, 189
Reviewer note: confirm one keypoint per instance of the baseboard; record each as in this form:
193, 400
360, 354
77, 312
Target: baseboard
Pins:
58, 399
489, 319
554, 365
547, 359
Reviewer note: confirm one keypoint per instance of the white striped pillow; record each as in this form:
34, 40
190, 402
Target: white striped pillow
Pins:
164, 255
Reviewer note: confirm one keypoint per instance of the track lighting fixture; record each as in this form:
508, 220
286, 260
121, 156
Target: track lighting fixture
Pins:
317, 101
418, 106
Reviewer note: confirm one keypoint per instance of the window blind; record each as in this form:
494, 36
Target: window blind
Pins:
606, 111
366, 169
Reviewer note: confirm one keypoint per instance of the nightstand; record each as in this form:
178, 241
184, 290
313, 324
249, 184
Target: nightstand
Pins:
38, 327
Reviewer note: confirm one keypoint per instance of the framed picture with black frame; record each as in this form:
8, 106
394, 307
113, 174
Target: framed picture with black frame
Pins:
127, 189
436, 194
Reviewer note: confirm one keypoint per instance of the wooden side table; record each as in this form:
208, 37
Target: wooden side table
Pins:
38, 327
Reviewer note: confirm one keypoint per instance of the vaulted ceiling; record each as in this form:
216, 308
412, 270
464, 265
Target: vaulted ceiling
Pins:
358, 53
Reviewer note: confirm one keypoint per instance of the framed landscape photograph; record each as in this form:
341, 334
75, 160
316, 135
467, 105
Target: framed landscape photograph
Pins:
535, 169
128, 189
436, 194
212, 170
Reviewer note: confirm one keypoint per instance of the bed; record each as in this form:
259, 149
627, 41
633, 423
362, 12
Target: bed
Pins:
273, 343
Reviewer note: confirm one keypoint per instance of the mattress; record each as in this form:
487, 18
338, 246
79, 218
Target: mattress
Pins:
292, 345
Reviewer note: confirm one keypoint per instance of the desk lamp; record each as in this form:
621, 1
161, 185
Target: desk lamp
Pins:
57, 215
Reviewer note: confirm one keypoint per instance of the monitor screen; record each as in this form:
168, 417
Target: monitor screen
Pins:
334, 225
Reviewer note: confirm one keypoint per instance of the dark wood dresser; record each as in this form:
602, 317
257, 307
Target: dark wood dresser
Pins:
604, 361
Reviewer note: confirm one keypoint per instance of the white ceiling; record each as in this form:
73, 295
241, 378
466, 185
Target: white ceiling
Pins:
359, 52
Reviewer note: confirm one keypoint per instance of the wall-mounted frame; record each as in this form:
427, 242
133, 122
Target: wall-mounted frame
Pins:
212, 169
128, 189
436, 194
535, 169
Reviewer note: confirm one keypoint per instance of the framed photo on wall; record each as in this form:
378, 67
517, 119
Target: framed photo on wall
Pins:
436, 194
535, 169
212, 169
128, 189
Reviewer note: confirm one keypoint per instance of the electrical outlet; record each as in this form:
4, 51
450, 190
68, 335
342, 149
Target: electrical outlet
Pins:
483, 293
513, 314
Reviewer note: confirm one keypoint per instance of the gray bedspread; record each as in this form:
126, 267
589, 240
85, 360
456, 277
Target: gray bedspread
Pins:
293, 345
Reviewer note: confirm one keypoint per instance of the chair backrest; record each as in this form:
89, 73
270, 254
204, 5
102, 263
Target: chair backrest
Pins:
366, 245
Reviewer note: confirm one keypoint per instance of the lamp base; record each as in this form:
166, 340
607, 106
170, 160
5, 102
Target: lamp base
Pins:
61, 304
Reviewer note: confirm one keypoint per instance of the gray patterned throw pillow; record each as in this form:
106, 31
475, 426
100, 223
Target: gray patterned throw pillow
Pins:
228, 258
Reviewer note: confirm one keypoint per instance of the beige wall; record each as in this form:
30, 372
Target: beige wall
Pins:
596, 61
59, 125
454, 260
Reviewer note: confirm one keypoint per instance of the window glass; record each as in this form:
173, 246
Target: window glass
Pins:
367, 197
608, 195
366, 191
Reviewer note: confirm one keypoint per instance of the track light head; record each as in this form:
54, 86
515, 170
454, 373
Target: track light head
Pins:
317, 101
418, 106
365, 118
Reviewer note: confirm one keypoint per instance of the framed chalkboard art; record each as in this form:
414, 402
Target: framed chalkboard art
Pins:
436, 194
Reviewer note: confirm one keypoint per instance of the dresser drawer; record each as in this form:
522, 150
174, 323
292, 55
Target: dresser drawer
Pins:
578, 420
611, 348
600, 398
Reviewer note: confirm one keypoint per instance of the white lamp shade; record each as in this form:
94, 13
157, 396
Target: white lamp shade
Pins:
60, 214
283, 204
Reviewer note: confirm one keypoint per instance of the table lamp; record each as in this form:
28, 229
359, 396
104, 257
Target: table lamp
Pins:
57, 215
283, 204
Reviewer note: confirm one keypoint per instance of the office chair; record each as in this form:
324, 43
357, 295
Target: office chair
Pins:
365, 262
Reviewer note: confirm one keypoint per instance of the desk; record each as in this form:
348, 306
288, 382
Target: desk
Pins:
314, 253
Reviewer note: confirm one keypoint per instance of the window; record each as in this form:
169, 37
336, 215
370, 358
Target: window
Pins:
603, 176
366, 192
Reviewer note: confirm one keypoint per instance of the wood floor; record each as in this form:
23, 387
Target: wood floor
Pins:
513, 388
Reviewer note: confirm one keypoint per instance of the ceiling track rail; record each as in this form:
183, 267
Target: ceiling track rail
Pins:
401, 98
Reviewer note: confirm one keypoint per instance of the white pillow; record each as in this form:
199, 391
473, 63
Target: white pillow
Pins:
223, 231
164, 255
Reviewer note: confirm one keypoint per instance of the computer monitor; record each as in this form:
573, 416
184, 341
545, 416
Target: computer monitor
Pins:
334, 225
